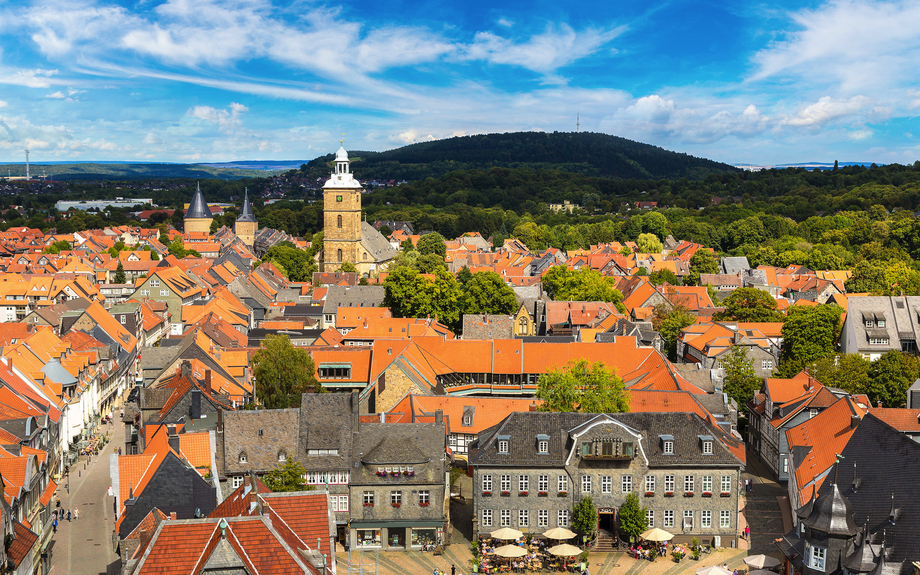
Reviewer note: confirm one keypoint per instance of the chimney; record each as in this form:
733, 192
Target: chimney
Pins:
355, 408
173, 438
220, 420
854, 421
207, 381
532, 407
172, 515
383, 417
195, 409
880, 404
439, 417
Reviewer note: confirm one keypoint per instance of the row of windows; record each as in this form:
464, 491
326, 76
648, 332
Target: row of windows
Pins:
327, 478
396, 498
626, 483
667, 521
504, 518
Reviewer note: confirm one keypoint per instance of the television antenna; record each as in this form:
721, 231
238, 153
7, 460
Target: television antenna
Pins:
27, 165
577, 121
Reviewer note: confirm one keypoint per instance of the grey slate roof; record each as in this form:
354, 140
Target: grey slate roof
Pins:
246, 213
376, 244
735, 265
352, 296
422, 445
327, 421
486, 326
198, 208
261, 435
523, 427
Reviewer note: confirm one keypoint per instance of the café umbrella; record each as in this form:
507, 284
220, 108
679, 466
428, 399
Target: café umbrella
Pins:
506, 533
511, 551
656, 535
558, 533
714, 570
564, 550
761, 561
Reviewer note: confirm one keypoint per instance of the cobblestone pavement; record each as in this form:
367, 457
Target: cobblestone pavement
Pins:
84, 546
765, 509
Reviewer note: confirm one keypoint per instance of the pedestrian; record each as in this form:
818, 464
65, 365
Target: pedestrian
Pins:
747, 532
68, 515
76, 513
54, 525
453, 570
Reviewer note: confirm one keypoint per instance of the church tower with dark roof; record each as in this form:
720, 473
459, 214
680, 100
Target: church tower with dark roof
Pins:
198, 218
246, 225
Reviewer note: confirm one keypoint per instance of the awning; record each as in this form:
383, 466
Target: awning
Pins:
47, 493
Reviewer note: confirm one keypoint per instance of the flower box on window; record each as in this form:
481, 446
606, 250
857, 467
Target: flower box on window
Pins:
523, 494
394, 473
542, 494
381, 474
726, 494
707, 494
669, 494
487, 493
650, 494
368, 504
563, 493
506, 494
424, 504
410, 474
396, 504
688, 494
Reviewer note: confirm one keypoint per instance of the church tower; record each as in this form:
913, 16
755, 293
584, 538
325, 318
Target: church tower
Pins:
341, 216
198, 218
246, 226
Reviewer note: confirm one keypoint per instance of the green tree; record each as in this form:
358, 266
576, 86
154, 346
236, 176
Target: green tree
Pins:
583, 388
120, 274
406, 245
296, 263
57, 247
585, 285
286, 477
739, 382
464, 275
668, 322
702, 262
177, 248
809, 334
584, 516
867, 277
632, 516
890, 376
649, 244
428, 263
348, 267
487, 293
664, 276
432, 244
849, 372
749, 304
283, 372
408, 294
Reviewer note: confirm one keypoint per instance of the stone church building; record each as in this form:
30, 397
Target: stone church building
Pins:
347, 238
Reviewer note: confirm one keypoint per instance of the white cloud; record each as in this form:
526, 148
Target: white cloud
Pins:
227, 120
914, 97
17, 133
505, 22
3, 104
37, 78
861, 134
57, 95
827, 109
152, 139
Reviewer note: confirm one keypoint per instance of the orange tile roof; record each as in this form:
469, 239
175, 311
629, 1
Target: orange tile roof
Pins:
23, 541
902, 419
488, 411
47, 493
196, 448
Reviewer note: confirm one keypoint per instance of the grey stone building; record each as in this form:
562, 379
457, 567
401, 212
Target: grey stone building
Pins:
531, 470
876, 325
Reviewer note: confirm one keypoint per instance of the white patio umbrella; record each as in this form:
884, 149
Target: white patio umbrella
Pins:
511, 551
761, 561
565, 550
558, 533
714, 570
657, 534
761, 572
506, 533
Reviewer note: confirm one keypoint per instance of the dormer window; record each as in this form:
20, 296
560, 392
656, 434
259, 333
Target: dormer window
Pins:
816, 557
706, 444
542, 444
667, 444
880, 323
242, 457
282, 456
504, 442
870, 324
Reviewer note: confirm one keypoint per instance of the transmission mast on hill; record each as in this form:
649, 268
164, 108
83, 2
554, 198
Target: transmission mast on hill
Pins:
27, 165
577, 121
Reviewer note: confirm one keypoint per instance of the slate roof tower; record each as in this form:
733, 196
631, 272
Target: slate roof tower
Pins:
198, 218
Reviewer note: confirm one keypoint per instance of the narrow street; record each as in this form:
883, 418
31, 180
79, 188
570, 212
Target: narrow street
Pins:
85, 546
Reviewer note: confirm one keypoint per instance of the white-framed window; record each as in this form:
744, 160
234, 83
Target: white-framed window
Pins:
396, 497
154, 283
650, 518
870, 324
669, 483
523, 483
242, 458
164, 292
816, 556
238, 480
880, 323
627, 483
668, 448
562, 518
586, 484
707, 483
543, 518
487, 482
543, 483
487, 518
506, 483
563, 483
543, 446
688, 519
785, 465
369, 498
523, 518
707, 448
725, 519
649, 483
424, 497
688, 483
878, 341
606, 484
706, 519
124, 319
342, 505
503, 446
145, 292
668, 519
766, 364
726, 486
505, 518
812, 413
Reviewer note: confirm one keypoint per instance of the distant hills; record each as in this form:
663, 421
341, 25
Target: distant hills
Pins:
588, 154
125, 171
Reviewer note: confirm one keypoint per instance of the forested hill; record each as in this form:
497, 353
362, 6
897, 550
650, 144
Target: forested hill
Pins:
589, 154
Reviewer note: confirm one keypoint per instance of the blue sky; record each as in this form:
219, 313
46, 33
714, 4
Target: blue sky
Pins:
199, 80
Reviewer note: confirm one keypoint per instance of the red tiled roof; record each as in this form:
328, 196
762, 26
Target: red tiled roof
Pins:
47, 493
904, 420
23, 540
